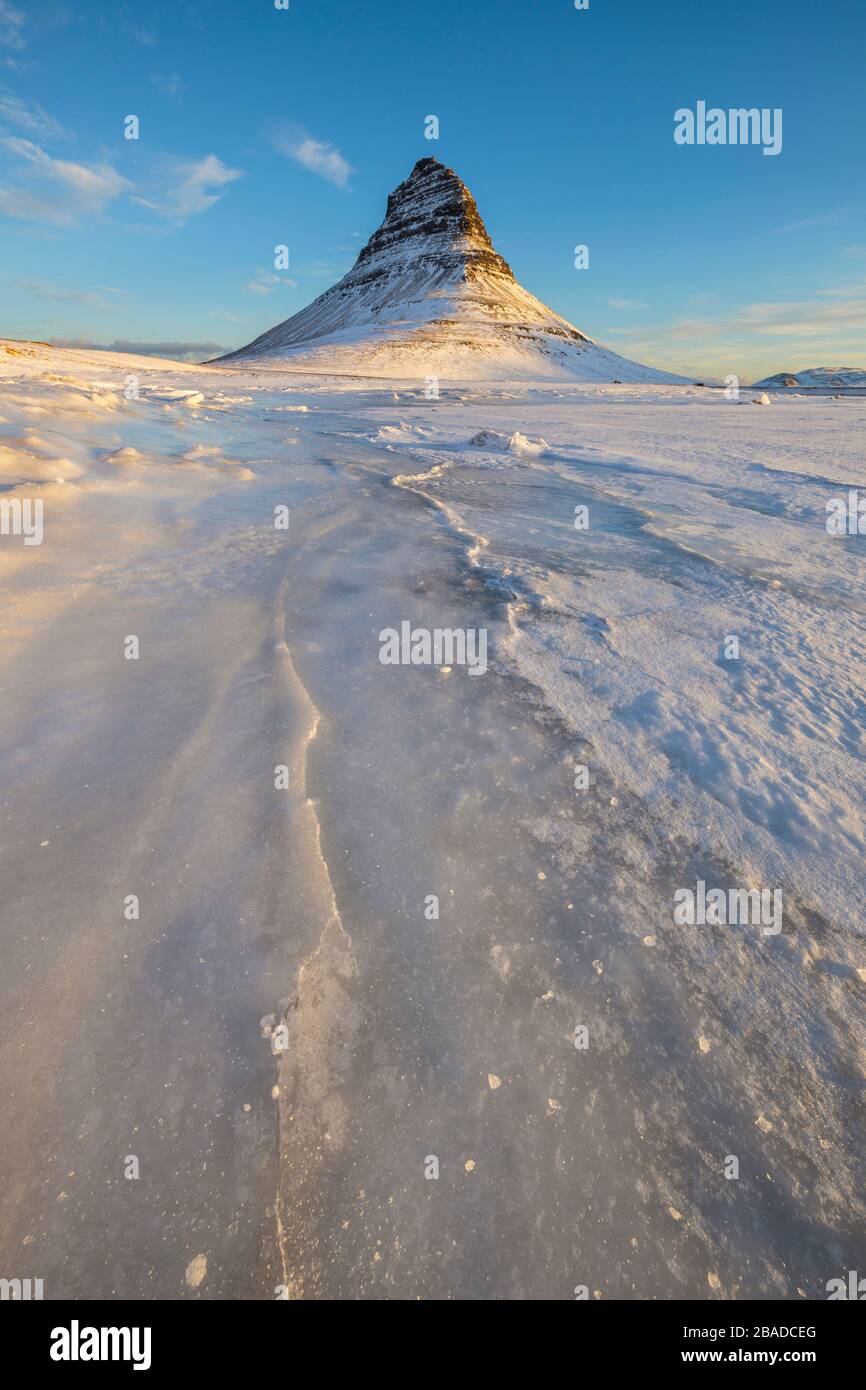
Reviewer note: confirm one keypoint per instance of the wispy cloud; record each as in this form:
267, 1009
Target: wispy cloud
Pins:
316, 155
805, 224
266, 282
29, 207
61, 192
55, 294
11, 26
189, 187
330, 270
626, 304
761, 336
772, 318
29, 117
86, 188
170, 85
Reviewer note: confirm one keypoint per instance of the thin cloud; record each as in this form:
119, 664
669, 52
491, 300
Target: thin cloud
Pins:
805, 224
190, 187
265, 282
626, 304
328, 269
88, 188
845, 291
42, 289
316, 155
756, 339
11, 26
773, 318
29, 117
60, 192
29, 207
170, 85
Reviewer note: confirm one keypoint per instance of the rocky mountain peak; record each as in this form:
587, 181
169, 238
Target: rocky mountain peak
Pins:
429, 296
432, 217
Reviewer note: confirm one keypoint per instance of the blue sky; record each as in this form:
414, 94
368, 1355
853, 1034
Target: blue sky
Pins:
261, 127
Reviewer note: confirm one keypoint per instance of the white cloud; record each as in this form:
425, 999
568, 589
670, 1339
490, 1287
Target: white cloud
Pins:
756, 338
54, 294
60, 191
626, 304
190, 186
315, 155
29, 117
773, 319
29, 207
806, 224
11, 25
265, 282
170, 85
88, 187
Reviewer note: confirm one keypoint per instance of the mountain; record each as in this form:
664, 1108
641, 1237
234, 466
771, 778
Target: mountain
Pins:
823, 378
430, 296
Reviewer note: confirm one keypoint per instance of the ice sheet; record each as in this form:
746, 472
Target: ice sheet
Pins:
284, 1038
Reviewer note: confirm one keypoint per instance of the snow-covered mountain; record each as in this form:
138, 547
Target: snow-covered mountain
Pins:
430, 296
824, 378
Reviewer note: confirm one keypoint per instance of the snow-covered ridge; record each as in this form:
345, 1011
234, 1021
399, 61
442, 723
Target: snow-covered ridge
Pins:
430, 296
825, 378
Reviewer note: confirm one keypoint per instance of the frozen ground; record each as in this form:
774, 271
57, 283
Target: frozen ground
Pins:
406, 1038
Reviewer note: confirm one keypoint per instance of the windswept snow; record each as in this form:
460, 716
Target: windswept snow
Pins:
286, 1034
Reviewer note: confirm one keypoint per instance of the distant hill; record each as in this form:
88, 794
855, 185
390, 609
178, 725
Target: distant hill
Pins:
825, 378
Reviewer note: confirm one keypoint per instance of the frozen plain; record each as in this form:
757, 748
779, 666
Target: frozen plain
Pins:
303, 1171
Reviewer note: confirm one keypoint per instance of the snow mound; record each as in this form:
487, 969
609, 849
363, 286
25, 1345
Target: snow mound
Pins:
172, 396
515, 443
526, 448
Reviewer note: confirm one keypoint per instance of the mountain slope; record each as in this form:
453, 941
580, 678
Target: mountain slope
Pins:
430, 296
